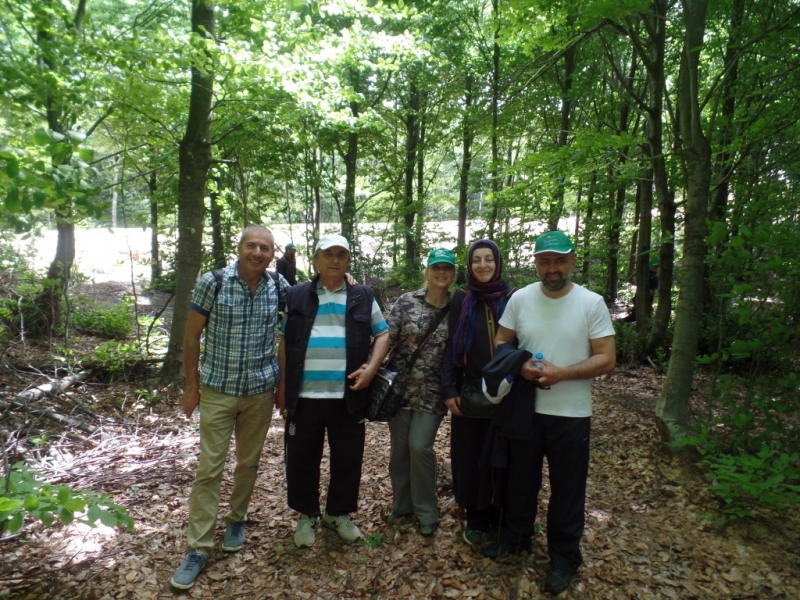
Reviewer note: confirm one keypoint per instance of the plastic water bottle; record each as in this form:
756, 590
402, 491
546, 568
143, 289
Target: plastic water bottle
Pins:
537, 362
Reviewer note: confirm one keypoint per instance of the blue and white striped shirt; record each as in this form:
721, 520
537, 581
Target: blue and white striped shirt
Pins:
239, 356
325, 364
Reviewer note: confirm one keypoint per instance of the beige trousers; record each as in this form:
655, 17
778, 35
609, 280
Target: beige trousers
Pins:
248, 418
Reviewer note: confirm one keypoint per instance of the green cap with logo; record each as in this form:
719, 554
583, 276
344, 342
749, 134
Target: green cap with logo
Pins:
554, 241
441, 255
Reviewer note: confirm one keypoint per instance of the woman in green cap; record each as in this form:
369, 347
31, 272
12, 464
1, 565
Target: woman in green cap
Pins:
412, 465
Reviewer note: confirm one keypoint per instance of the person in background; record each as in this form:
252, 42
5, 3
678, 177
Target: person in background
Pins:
412, 463
474, 313
287, 265
572, 328
326, 370
239, 315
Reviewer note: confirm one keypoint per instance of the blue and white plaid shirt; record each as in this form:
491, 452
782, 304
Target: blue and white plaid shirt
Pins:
239, 355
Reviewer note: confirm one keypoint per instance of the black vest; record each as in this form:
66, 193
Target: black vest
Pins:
302, 303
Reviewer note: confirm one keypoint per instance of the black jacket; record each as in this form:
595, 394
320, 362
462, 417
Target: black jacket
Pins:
514, 416
302, 303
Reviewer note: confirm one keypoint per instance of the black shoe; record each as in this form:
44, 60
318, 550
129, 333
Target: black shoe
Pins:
497, 549
558, 579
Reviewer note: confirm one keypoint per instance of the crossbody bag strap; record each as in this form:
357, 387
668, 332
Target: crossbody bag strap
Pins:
439, 318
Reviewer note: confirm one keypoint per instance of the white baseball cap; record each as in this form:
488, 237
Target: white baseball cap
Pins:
330, 240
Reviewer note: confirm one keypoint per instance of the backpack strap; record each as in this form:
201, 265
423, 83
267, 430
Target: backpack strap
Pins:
217, 273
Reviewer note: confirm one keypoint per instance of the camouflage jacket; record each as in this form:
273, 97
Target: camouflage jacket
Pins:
409, 319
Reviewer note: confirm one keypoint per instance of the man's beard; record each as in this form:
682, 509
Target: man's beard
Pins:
555, 285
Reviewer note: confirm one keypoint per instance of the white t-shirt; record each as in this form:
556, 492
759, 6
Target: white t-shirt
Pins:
560, 329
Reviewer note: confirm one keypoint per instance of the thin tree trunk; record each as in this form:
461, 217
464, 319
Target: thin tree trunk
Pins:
466, 165
494, 170
155, 251
194, 160
672, 408
409, 212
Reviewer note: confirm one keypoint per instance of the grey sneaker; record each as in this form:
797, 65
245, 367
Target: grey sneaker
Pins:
396, 517
187, 573
234, 537
342, 525
306, 533
428, 529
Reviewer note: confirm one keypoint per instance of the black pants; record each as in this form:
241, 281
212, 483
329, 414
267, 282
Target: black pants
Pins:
565, 443
305, 439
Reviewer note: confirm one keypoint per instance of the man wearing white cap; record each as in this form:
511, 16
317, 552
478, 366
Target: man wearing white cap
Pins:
571, 327
326, 369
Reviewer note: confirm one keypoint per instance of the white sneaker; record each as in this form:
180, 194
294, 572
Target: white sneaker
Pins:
342, 525
306, 533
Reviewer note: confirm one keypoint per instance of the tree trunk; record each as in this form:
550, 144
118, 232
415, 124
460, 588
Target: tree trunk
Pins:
494, 170
463, 183
672, 409
409, 210
217, 243
557, 205
655, 22
348, 216
194, 160
643, 304
155, 251
420, 204
587, 227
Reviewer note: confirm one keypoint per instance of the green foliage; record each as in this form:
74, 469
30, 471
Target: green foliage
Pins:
373, 541
768, 479
112, 323
25, 492
118, 358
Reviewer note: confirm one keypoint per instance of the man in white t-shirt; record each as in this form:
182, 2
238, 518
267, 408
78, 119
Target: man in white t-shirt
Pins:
572, 328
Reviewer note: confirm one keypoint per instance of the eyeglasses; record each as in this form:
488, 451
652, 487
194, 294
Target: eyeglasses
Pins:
442, 267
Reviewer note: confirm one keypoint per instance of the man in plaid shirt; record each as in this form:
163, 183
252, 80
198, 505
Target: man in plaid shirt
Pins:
239, 315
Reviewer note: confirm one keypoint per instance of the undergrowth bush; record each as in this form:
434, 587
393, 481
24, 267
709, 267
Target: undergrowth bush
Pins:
118, 358
114, 323
25, 492
742, 481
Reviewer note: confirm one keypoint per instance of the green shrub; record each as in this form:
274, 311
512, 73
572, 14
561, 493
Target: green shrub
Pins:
118, 357
112, 323
28, 493
769, 479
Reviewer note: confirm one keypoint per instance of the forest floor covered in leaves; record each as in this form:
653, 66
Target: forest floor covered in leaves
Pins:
645, 533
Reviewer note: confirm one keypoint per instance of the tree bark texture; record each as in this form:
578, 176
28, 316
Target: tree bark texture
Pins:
466, 164
672, 407
194, 160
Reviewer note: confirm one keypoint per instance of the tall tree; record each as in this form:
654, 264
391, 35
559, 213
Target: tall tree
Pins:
194, 161
672, 409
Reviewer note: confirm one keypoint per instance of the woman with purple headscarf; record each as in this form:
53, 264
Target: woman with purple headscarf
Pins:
474, 312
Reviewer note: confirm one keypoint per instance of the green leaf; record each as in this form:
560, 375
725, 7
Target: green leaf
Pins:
75, 505
7, 504
39, 198
12, 199
86, 154
108, 519
65, 515
47, 518
31, 503
41, 137
94, 513
12, 167
64, 494
15, 523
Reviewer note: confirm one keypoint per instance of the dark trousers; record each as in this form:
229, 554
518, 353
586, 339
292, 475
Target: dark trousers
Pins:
305, 439
565, 443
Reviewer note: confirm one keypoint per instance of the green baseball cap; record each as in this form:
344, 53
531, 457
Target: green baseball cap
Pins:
441, 255
554, 241
290, 246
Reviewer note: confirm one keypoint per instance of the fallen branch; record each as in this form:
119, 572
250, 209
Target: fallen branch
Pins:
20, 402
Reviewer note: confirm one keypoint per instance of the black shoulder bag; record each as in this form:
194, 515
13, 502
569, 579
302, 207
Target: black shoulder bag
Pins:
387, 387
